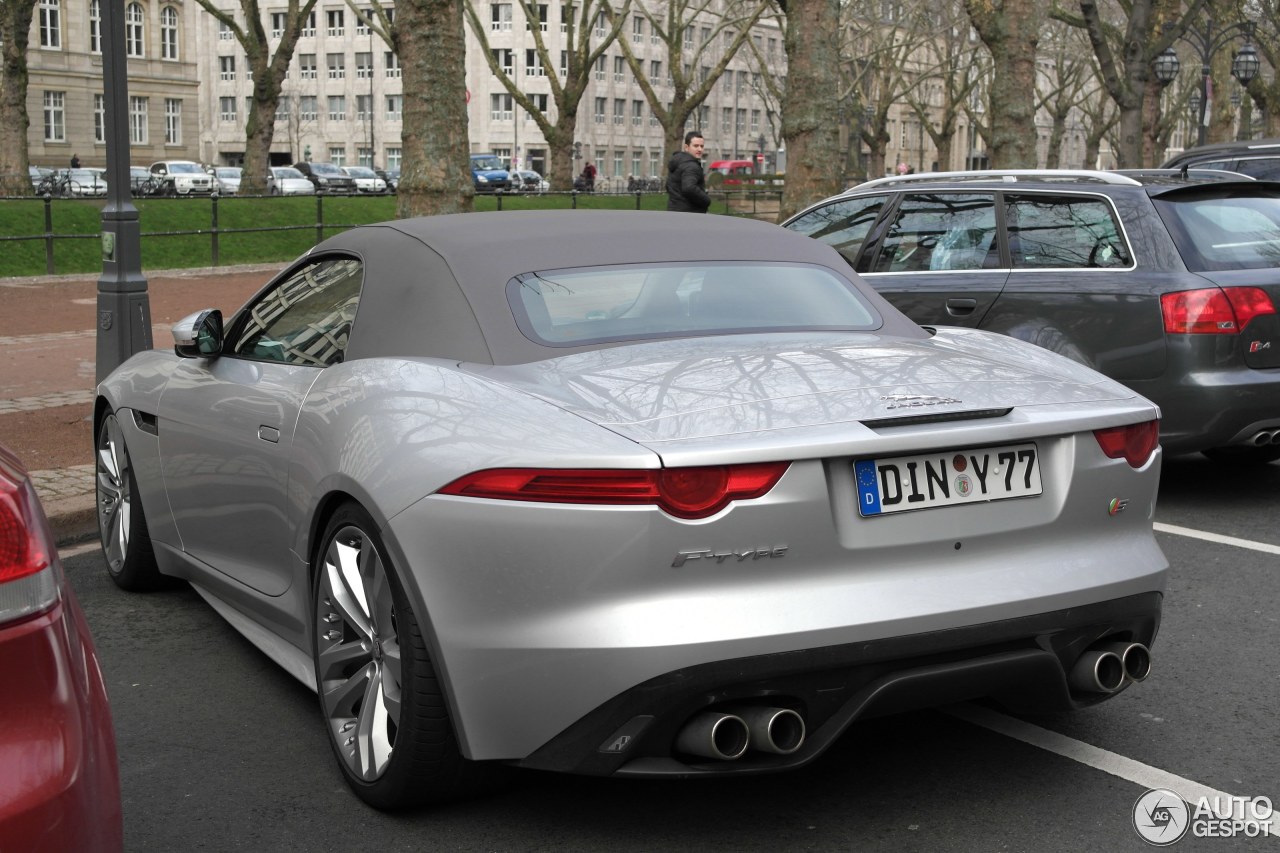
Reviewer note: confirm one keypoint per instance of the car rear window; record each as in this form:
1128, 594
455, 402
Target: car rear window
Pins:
572, 307
1225, 233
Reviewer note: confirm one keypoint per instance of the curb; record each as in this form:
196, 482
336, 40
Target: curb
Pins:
72, 520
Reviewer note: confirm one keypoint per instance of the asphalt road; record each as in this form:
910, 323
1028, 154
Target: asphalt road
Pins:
221, 750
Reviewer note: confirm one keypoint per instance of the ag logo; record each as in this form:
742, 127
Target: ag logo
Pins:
1161, 817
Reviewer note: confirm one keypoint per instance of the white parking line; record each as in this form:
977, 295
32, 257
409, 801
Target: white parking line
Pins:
1217, 537
1100, 759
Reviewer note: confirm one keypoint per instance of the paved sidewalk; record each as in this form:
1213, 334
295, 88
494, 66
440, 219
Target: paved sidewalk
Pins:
47, 373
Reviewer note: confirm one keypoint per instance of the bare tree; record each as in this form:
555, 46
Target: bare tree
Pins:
268, 70
566, 94
810, 105
886, 51
1063, 84
675, 22
952, 70
1011, 31
15, 30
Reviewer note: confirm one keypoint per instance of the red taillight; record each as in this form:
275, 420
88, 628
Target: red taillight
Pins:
1213, 310
682, 492
22, 550
1134, 443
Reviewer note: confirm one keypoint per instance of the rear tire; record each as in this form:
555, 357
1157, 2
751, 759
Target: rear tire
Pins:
1244, 456
383, 705
122, 525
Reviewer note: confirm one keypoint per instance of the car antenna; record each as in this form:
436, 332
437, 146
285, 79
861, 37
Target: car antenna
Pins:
1185, 166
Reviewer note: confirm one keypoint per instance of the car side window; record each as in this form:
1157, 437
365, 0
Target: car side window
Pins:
842, 225
306, 318
1262, 168
1063, 232
940, 231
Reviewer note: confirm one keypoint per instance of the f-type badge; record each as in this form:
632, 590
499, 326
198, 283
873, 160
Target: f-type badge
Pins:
738, 556
1117, 506
912, 401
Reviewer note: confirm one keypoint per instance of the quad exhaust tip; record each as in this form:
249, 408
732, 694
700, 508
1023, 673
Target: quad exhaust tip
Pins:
1265, 437
727, 735
1107, 667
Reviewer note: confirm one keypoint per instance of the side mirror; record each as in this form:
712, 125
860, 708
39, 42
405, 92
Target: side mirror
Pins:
199, 335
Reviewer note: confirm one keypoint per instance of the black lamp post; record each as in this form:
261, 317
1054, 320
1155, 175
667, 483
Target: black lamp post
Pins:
760, 161
124, 310
1207, 43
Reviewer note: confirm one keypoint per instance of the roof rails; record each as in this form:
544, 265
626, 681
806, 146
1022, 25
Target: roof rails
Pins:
1006, 176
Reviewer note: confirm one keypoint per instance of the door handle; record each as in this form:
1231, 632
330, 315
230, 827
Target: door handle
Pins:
961, 307
269, 433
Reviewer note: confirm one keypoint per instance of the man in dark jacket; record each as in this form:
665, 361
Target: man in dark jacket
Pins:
686, 184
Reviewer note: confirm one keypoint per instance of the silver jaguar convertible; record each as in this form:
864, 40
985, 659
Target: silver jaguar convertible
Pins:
641, 494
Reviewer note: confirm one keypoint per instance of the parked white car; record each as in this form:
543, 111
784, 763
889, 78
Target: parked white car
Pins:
228, 179
367, 181
286, 180
182, 177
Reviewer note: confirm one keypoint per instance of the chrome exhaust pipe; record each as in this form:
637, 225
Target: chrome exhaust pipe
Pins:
1265, 437
1135, 657
776, 730
713, 734
1097, 671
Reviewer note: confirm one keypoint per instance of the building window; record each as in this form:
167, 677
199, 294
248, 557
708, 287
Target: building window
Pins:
55, 117
505, 59
95, 26
168, 33
542, 18
533, 64
364, 157
364, 107
619, 68
337, 63
655, 161
338, 155
224, 32
226, 109
395, 107
637, 115
655, 71
50, 24
599, 112
755, 121
637, 158
619, 111
99, 118
364, 66
282, 108
307, 109
172, 121
337, 108
564, 63
362, 25
618, 157
501, 18
392, 63
540, 103
307, 66
500, 107
393, 158
601, 65
133, 31
637, 29
277, 24
137, 120
309, 26
334, 25
226, 68
726, 119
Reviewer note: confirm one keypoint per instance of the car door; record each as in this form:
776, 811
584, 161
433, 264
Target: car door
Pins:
939, 260
227, 424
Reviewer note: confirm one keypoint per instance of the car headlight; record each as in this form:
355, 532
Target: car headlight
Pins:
482, 179
323, 180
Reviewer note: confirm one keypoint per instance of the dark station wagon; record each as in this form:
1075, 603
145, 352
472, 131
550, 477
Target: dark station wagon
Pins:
1167, 285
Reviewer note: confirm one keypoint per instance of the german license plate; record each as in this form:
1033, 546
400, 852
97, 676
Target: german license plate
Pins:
946, 478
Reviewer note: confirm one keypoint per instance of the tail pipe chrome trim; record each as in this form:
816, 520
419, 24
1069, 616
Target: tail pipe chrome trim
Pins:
1135, 657
714, 734
777, 730
1265, 437
1097, 671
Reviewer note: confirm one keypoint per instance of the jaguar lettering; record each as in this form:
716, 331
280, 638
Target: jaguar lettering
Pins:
911, 401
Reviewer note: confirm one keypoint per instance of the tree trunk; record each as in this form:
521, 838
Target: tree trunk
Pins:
1152, 148
15, 29
258, 136
1011, 32
810, 112
436, 171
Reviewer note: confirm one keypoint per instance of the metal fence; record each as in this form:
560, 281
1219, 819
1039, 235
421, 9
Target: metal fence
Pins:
744, 202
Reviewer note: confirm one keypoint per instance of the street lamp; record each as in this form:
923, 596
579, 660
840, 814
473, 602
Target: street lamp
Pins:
1207, 43
1166, 66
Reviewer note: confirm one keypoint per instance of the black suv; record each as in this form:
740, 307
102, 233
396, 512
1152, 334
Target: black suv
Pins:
1257, 158
1167, 285
327, 177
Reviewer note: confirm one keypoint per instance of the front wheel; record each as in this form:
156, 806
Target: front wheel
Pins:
383, 705
122, 526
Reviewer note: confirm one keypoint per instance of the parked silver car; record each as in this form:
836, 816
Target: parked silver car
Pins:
228, 178
565, 506
367, 181
286, 180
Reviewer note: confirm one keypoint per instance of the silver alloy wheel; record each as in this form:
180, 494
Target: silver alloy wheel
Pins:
358, 663
115, 496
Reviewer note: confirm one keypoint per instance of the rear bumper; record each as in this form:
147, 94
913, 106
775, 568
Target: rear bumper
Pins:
1022, 663
1214, 408
60, 788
